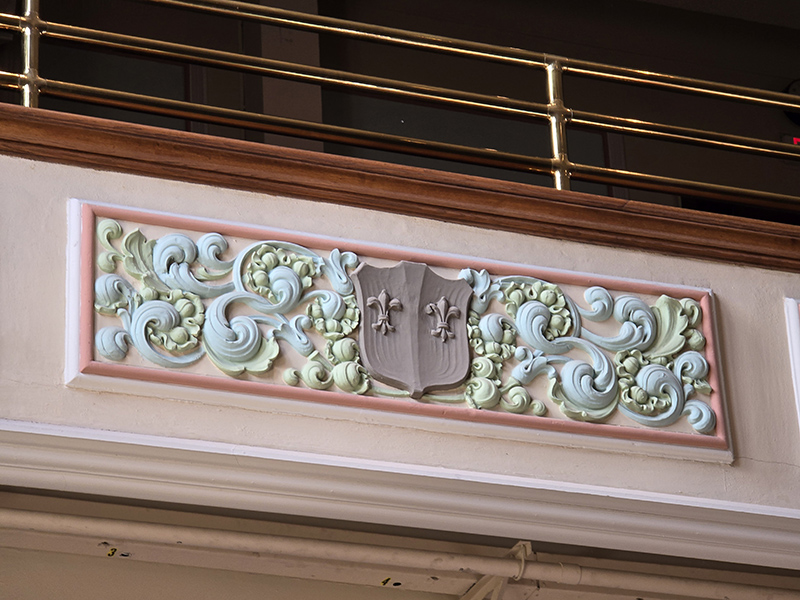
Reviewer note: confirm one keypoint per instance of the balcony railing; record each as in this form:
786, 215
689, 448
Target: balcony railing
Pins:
31, 84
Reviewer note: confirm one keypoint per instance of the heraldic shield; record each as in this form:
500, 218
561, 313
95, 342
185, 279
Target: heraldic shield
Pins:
414, 327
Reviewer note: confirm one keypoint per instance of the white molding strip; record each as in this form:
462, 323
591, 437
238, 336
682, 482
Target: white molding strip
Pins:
793, 333
192, 472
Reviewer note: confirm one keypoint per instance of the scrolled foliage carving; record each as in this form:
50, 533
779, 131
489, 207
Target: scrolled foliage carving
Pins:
180, 302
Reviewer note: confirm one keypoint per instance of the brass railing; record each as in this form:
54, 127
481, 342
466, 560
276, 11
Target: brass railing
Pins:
554, 112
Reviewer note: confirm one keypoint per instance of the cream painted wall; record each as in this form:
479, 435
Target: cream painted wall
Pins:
752, 334
38, 575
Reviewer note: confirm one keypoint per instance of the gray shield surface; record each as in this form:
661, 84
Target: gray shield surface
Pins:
414, 327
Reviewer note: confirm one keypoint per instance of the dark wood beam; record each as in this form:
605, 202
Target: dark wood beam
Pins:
486, 203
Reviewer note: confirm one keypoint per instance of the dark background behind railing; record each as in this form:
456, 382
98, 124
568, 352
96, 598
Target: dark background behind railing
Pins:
756, 52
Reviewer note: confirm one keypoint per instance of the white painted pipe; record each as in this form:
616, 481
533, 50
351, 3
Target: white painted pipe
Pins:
363, 554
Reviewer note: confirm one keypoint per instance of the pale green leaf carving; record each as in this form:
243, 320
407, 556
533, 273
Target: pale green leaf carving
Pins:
138, 261
351, 377
518, 400
343, 350
671, 322
702, 386
483, 367
266, 258
550, 295
316, 376
335, 326
482, 393
107, 230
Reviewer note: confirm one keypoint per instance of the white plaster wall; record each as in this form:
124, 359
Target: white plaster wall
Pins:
752, 337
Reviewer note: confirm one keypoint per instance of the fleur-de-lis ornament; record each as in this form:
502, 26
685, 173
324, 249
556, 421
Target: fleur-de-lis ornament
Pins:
443, 312
384, 303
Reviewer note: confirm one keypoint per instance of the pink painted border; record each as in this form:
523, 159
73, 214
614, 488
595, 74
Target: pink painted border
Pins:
90, 212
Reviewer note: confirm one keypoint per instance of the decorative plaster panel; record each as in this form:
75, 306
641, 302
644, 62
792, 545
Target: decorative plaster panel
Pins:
236, 308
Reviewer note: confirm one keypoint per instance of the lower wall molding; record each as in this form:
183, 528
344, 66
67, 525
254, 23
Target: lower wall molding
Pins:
518, 575
199, 473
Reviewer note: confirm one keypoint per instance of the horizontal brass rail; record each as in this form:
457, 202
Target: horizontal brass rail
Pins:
11, 22
457, 47
659, 183
405, 90
267, 15
685, 135
10, 80
453, 99
438, 150
296, 72
677, 83
294, 127
452, 46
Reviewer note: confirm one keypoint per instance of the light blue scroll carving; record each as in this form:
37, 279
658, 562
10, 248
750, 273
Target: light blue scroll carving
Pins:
183, 301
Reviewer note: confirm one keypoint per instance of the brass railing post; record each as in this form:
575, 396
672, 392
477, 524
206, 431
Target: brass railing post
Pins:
557, 115
30, 54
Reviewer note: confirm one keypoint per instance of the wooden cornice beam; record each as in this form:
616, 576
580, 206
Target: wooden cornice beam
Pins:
486, 203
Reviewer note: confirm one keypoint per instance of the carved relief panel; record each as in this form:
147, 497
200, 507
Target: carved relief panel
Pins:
282, 314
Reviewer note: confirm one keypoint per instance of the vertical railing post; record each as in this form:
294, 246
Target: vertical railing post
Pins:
30, 54
557, 115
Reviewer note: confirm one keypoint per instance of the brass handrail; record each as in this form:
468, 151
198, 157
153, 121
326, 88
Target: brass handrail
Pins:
401, 89
292, 127
295, 71
267, 15
555, 112
685, 135
660, 183
445, 45
676, 83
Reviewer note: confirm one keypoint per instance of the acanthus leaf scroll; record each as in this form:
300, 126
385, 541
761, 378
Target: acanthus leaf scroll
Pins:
180, 302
